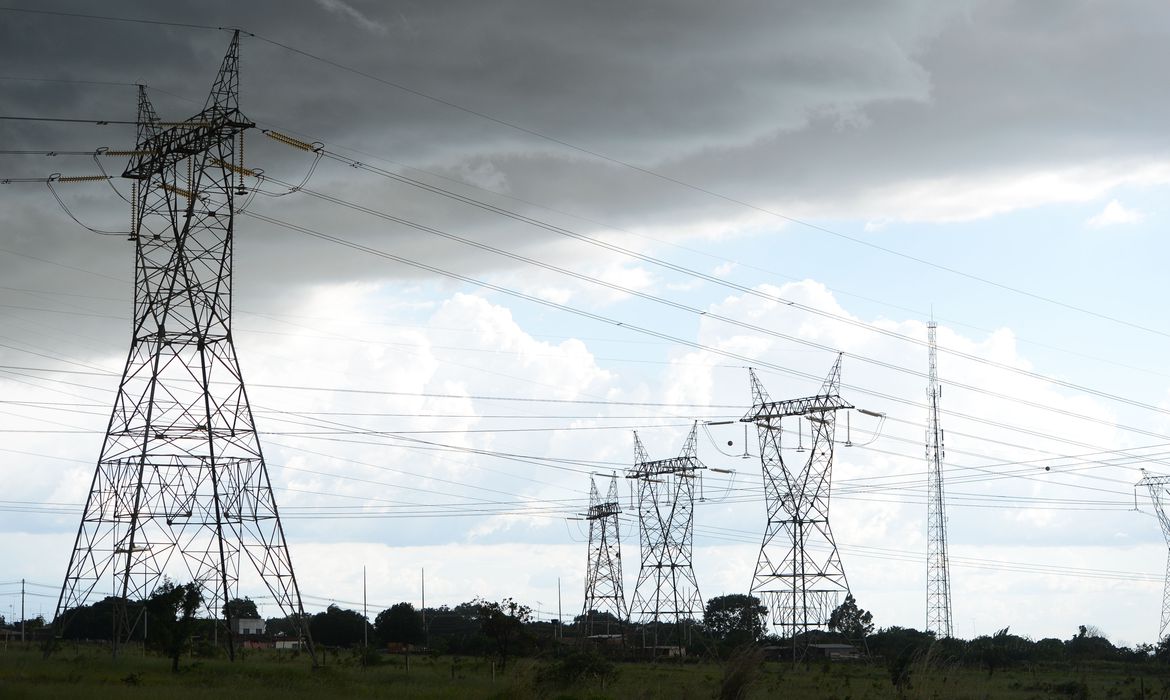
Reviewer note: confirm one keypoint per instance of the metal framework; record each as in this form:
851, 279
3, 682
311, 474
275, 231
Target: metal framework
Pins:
799, 576
1159, 487
938, 569
181, 489
667, 594
603, 574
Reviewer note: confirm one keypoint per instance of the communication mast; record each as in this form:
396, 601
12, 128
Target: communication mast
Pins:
604, 597
799, 576
938, 572
1159, 487
667, 594
181, 489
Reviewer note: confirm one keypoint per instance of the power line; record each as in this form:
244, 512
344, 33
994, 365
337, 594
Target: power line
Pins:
110, 18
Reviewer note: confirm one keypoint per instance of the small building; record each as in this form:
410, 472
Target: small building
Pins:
832, 651
248, 627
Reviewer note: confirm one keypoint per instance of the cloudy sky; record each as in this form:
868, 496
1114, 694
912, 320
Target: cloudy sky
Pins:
616, 210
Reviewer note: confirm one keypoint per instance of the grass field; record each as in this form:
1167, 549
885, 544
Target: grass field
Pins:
75, 672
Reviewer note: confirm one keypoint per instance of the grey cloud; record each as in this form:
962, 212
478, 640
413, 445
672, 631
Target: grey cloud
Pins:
808, 106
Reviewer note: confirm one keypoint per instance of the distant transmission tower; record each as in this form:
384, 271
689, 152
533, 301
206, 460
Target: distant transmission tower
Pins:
799, 576
181, 489
938, 568
667, 593
603, 576
1159, 487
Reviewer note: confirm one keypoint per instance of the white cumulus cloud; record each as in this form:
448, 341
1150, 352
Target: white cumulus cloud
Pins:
1115, 213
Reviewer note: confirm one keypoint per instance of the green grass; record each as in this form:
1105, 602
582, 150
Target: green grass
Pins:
90, 672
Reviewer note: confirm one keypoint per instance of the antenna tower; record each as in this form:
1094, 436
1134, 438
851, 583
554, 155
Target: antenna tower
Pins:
1159, 487
667, 592
603, 576
799, 576
181, 489
938, 568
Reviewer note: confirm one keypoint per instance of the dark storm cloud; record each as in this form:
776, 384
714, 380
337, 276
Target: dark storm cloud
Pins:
809, 105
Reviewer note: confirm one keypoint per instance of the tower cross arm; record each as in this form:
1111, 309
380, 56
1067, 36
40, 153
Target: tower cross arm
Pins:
662, 467
821, 403
1154, 481
195, 135
603, 510
1157, 484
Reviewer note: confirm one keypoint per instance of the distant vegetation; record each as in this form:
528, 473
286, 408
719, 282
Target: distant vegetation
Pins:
727, 654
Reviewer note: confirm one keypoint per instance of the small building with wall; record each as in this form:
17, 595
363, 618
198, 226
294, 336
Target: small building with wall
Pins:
832, 651
248, 627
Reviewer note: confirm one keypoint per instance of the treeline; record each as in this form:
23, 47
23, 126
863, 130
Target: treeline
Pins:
506, 629
901, 647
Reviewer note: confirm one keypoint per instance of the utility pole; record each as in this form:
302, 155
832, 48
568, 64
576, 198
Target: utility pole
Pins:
22, 611
938, 570
603, 571
426, 632
181, 488
1159, 487
799, 576
560, 620
365, 614
667, 591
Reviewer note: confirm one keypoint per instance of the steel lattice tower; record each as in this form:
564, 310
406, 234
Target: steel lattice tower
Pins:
1159, 487
667, 592
938, 568
799, 576
603, 574
181, 488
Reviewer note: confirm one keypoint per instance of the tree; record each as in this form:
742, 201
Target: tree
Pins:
1090, 644
172, 611
337, 627
503, 623
281, 626
735, 619
242, 609
92, 621
850, 620
400, 623
1162, 649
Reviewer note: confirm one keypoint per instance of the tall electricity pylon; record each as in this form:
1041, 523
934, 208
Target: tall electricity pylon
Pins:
1159, 494
667, 592
938, 568
181, 489
603, 573
799, 576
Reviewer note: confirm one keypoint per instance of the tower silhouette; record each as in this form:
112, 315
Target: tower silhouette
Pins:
1159, 487
799, 576
667, 595
938, 568
181, 489
605, 601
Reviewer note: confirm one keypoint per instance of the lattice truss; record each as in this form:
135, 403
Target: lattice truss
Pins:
938, 570
798, 576
667, 591
603, 575
181, 488
1159, 487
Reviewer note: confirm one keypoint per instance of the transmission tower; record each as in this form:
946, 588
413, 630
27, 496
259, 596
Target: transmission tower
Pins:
181, 489
1159, 487
938, 568
603, 574
799, 576
667, 594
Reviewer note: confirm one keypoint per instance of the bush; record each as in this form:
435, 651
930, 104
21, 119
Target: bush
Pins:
740, 671
577, 666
